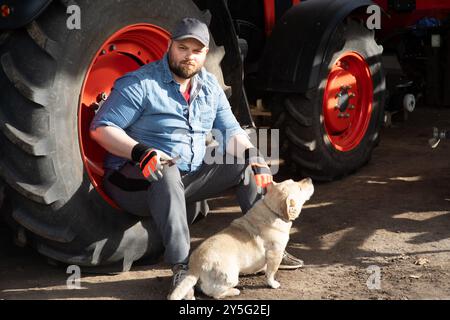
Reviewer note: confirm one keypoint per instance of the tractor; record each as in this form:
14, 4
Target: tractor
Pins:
323, 75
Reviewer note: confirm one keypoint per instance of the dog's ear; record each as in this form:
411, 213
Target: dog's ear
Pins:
292, 209
307, 188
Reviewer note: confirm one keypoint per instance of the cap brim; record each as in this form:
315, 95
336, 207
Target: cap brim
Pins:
189, 36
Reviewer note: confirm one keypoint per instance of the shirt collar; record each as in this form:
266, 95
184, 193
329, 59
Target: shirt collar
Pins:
166, 75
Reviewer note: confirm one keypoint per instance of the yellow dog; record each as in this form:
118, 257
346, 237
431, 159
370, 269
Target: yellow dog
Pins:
252, 243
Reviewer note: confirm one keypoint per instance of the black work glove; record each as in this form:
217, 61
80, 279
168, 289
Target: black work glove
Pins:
261, 171
149, 160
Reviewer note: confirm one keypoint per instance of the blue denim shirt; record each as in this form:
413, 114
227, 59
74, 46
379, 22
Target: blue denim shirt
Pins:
148, 105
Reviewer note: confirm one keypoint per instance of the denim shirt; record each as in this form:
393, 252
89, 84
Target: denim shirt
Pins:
148, 105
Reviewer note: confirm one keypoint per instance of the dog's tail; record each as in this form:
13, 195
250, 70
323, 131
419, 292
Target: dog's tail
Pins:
183, 288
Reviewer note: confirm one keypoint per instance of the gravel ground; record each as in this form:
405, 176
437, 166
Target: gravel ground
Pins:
391, 218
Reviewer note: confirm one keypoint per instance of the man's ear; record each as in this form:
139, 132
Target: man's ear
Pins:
292, 208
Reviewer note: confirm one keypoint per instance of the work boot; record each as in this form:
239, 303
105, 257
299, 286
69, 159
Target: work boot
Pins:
289, 262
179, 273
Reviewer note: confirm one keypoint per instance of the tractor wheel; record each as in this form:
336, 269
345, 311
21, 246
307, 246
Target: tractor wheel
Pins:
330, 131
52, 79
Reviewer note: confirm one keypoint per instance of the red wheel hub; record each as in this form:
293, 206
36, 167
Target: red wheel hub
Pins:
125, 51
347, 101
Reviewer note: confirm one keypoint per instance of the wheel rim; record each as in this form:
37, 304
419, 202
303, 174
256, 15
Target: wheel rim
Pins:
347, 101
125, 51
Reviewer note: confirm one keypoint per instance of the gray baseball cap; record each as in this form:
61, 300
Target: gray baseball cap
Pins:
191, 28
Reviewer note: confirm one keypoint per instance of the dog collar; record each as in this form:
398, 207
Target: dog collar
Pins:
275, 213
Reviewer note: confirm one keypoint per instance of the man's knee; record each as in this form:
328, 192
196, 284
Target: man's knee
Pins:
170, 181
237, 171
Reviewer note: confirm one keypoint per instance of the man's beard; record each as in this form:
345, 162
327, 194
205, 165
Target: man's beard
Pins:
183, 70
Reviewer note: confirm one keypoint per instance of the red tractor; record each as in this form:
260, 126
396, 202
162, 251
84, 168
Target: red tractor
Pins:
315, 64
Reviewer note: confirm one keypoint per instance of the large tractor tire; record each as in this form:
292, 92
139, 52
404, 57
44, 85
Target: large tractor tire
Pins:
53, 79
330, 131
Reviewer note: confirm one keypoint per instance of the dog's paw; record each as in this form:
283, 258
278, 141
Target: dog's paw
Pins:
190, 295
274, 283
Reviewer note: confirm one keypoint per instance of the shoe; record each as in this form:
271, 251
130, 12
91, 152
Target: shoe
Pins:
179, 273
289, 262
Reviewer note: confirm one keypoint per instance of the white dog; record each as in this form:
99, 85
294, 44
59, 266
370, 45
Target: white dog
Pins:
252, 243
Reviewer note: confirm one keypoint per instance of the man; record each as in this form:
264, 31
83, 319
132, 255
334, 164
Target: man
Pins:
165, 110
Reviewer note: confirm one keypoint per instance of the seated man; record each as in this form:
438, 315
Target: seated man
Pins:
164, 110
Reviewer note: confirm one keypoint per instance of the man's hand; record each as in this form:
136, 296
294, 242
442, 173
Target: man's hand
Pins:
263, 175
149, 160
151, 166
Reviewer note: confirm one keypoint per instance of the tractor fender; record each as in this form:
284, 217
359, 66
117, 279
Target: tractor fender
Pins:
295, 51
22, 12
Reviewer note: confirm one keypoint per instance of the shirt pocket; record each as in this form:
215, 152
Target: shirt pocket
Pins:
207, 112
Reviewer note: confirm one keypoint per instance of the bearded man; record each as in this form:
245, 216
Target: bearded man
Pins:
165, 110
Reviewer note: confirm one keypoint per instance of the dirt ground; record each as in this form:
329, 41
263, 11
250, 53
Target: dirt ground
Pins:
393, 214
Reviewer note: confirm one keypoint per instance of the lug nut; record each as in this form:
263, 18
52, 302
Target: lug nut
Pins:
102, 97
343, 115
